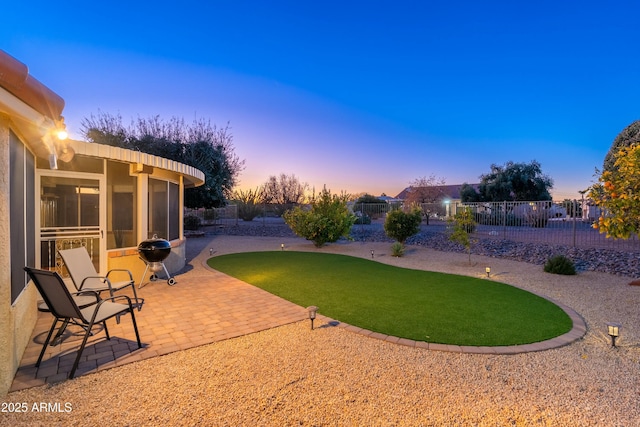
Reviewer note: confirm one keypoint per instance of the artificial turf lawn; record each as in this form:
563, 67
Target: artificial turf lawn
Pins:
413, 304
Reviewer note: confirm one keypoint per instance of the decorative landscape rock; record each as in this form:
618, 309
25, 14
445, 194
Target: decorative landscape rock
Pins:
585, 259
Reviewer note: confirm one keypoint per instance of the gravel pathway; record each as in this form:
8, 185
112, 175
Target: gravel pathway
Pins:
291, 375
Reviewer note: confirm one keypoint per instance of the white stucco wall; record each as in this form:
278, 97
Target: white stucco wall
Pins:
17, 320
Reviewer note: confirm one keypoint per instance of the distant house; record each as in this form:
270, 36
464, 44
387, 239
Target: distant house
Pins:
436, 200
440, 193
57, 193
388, 199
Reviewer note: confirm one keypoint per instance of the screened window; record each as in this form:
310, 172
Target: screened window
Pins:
121, 200
164, 209
174, 211
22, 213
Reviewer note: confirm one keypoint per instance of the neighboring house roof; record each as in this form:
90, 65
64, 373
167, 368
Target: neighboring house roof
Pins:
446, 191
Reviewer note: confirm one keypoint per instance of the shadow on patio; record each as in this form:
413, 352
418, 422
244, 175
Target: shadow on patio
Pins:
203, 307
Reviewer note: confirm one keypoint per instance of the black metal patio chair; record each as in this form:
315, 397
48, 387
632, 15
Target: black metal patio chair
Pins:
64, 308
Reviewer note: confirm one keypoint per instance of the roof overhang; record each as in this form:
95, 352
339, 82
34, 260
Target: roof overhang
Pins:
192, 177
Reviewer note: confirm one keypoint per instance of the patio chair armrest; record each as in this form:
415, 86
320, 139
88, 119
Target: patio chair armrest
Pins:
122, 270
103, 278
112, 299
115, 298
87, 293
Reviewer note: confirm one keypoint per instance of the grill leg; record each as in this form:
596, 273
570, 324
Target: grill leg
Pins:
143, 276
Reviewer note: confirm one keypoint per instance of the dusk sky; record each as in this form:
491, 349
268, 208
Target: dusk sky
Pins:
361, 96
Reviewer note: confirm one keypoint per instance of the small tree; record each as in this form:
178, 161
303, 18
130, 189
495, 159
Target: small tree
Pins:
617, 192
425, 190
326, 221
401, 225
284, 191
463, 226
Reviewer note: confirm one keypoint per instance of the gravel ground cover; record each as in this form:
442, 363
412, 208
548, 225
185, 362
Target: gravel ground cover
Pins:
624, 263
291, 375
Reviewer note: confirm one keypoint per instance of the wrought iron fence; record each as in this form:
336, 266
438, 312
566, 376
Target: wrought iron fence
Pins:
568, 223
215, 216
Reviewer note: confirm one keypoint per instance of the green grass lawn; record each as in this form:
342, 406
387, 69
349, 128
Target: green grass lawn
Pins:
414, 304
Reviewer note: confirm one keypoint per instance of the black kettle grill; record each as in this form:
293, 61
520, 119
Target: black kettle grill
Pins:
153, 252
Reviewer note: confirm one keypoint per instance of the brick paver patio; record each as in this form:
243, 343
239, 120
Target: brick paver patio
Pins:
203, 307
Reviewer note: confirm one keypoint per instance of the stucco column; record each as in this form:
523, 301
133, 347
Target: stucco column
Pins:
143, 207
6, 320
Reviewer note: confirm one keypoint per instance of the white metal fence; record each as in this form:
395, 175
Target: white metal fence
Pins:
214, 216
568, 223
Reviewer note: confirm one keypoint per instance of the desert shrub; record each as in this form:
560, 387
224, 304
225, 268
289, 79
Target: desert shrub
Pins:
249, 203
192, 222
560, 264
401, 225
397, 249
326, 221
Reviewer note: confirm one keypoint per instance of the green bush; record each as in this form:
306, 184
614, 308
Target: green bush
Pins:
560, 264
397, 249
401, 225
192, 222
326, 221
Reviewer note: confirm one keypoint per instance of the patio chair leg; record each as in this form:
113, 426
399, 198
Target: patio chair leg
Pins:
106, 331
46, 341
138, 302
84, 342
135, 327
63, 328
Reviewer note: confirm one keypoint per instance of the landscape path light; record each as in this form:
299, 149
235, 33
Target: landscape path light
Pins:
488, 271
613, 329
282, 246
371, 253
312, 314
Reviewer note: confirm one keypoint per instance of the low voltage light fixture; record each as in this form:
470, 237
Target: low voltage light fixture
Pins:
312, 314
371, 253
210, 251
488, 271
282, 246
613, 329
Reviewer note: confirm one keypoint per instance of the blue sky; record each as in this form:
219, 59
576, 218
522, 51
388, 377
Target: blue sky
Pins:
361, 96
